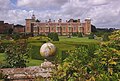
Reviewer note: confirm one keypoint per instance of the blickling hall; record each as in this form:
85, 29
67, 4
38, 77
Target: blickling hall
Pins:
37, 27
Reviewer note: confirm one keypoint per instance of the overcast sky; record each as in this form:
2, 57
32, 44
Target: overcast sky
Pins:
103, 13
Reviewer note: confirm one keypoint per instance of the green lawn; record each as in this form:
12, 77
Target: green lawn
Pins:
32, 62
62, 45
76, 39
2, 57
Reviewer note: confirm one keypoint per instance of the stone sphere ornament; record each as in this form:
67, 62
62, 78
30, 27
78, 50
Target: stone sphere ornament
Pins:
47, 50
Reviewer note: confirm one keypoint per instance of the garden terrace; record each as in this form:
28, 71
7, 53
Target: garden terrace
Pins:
28, 73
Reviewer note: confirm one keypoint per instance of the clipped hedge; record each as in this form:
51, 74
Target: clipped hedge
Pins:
35, 53
62, 48
53, 36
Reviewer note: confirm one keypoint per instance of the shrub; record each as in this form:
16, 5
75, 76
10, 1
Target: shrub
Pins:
16, 36
89, 63
91, 36
3, 45
17, 53
105, 37
80, 34
53, 36
74, 34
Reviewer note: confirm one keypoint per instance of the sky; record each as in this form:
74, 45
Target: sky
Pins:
103, 13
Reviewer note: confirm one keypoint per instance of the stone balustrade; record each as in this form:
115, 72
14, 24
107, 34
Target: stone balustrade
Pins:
23, 74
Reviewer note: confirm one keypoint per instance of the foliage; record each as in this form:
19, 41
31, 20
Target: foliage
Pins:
8, 31
108, 57
103, 64
105, 37
36, 39
17, 53
63, 45
101, 31
74, 34
34, 53
93, 28
3, 45
75, 67
53, 36
16, 36
80, 34
115, 40
91, 36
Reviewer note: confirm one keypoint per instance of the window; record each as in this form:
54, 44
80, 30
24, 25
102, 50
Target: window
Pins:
47, 28
69, 29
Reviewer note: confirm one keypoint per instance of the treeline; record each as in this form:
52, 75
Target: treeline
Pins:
101, 31
94, 29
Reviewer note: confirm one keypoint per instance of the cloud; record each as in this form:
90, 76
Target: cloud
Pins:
98, 2
4, 7
104, 13
75, 9
41, 4
4, 4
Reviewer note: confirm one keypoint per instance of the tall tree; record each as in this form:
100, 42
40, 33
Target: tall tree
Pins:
93, 28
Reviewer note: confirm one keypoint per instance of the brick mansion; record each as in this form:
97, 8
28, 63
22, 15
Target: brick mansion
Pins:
62, 28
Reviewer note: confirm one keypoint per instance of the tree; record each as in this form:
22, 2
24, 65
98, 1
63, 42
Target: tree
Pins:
93, 28
53, 36
10, 31
17, 53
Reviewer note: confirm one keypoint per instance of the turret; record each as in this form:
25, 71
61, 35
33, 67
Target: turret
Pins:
78, 20
33, 17
29, 24
60, 20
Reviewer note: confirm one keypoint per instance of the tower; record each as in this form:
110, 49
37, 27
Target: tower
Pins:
29, 24
87, 27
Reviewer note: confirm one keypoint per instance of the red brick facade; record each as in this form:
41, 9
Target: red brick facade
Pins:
19, 29
4, 27
62, 28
